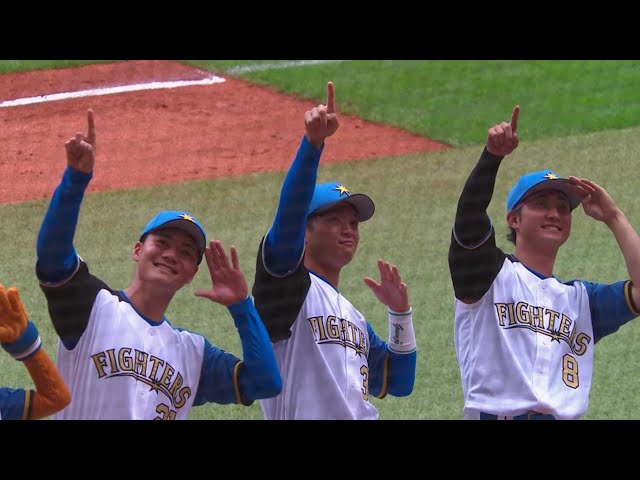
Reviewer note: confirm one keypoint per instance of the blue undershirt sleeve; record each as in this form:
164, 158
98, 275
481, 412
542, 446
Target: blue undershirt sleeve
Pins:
284, 243
389, 372
610, 307
57, 258
258, 375
12, 403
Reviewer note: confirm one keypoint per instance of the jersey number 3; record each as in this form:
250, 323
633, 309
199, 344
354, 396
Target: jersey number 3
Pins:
364, 370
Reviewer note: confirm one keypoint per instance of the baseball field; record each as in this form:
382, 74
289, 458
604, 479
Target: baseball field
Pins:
215, 138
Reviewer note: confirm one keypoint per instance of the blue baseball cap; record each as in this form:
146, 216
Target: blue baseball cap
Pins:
535, 182
182, 220
328, 195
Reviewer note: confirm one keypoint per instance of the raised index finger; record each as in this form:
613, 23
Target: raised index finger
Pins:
514, 118
331, 98
91, 134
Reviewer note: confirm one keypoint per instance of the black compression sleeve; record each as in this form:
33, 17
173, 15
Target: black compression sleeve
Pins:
472, 222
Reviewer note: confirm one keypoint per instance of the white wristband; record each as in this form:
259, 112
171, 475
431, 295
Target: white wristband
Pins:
402, 338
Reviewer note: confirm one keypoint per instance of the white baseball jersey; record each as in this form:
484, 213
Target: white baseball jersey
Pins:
125, 367
323, 363
527, 344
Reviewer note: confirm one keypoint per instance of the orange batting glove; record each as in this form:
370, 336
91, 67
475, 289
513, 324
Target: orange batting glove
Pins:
18, 335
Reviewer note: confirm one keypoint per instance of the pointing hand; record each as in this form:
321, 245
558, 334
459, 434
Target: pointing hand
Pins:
81, 149
503, 138
322, 121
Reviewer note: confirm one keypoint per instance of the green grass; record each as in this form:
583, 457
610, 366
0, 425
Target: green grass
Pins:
11, 66
455, 102
415, 200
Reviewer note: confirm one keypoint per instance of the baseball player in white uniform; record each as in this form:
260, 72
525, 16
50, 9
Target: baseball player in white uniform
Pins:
118, 353
329, 356
525, 339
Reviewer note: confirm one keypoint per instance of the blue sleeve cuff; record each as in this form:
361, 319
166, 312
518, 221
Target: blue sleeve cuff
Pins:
308, 146
26, 345
76, 180
240, 308
402, 373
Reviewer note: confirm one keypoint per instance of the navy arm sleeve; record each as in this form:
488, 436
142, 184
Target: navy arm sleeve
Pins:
285, 240
474, 259
389, 372
13, 403
57, 258
611, 306
226, 379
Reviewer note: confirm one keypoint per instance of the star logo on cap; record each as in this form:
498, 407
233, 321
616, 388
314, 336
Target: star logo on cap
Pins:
343, 190
186, 216
551, 176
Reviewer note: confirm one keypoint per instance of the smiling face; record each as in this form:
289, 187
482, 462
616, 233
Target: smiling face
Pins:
332, 239
168, 258
542, 222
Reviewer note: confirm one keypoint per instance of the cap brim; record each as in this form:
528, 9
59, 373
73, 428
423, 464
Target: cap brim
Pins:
561, 184
189, 227
364, 206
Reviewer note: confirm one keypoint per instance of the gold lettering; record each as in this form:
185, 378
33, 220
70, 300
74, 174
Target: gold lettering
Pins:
323, 333
100, 362
574, 331
553, 316
156, 362
125, 361
501, 312
184, 394
354, 333
332, 327
313, 321
565, 322
166, 375
112, 360
522, 314
177, 383
581, 343
511, 314
343, 330
140, 366
537, 316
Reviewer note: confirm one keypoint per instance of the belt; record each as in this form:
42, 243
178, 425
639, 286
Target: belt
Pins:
524, 416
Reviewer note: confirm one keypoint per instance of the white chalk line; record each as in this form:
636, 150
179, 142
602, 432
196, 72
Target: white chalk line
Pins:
111, 90
259, 67
213, 79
